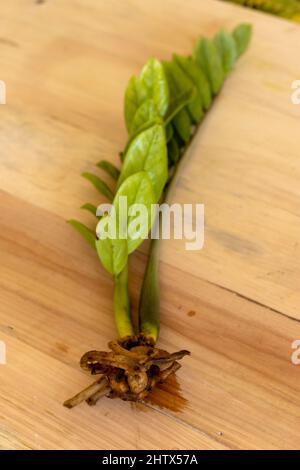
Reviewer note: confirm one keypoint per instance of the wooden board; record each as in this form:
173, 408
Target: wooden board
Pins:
66, 65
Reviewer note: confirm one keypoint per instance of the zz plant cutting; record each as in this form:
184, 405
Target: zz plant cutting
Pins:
163, 107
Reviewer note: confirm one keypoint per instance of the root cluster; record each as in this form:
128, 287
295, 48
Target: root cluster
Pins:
130, 370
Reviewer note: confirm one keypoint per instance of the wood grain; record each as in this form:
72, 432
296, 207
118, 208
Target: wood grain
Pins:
235, 304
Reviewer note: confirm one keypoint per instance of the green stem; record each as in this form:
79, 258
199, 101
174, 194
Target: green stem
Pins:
122, 305
149, 307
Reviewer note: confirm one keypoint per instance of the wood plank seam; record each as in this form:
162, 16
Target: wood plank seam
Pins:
191, 426
238, 294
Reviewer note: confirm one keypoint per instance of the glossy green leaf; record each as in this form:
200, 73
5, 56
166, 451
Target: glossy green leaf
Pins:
113, 253
148, 152
109, 168
195, 109
194, 72
242, 36
153, 84
100, 185
145, 116
133, 100
113, 249
138, 189
226, 46
146, 97
206, 55
183, 82
145, 126
178, 102
179, 82
84, 231
183, 125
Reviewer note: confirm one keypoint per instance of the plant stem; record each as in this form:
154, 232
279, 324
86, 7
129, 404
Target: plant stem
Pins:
149, 307
122, 305
150, 294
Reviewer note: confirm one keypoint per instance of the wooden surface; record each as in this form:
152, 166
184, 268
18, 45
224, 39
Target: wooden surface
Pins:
66, 65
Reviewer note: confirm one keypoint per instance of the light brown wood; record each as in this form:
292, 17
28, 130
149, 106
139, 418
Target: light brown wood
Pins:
235, 304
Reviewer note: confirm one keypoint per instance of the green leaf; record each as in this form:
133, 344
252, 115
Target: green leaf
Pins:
183, 125
183, 82
226, 46
145, 116
113, 250
195, 109
198, 78
145, 126
179, 83
109, 168
148, 152
242, 36
113, 253
150, 87
138, 189
177, 102
90, 208
86, 233
100, 185
153, 84
206, 55
132, 101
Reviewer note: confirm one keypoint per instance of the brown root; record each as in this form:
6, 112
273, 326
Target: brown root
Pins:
130, 370
87, 393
